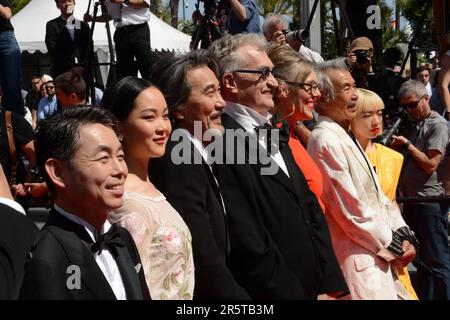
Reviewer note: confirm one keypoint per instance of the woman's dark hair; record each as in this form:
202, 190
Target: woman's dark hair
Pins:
119, 98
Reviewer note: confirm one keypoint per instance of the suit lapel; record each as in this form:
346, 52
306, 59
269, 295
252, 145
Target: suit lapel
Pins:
279, 176
63, 28
127, 271
75, 241
357, 151
347, 140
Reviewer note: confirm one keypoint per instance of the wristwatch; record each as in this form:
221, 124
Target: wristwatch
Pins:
406, 145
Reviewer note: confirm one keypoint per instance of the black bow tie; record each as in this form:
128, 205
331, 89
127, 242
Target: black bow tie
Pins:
107, 240
283, 134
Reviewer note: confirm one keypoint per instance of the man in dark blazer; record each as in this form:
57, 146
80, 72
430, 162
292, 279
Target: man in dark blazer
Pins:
17, 235
67, 39
78, 254
184, 176
280, 244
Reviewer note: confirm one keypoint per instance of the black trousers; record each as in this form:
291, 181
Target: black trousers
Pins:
132, 42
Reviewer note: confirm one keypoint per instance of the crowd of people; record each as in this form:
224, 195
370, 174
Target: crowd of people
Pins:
246, 171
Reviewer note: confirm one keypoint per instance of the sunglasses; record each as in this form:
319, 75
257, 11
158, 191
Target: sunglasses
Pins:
413, 104
264, 72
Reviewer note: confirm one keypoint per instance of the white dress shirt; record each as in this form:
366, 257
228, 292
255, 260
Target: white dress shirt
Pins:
104, 260
249, 119
13, 204
125, 15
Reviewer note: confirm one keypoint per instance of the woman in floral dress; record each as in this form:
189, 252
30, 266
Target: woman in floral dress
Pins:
162, 237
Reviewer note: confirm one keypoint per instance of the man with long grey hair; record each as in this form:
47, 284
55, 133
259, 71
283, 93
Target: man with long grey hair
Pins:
369, 235
280, 244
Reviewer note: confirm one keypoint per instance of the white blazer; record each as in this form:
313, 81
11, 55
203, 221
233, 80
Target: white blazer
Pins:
360, 217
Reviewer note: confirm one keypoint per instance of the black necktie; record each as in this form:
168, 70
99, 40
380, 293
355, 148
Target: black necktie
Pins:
107, 240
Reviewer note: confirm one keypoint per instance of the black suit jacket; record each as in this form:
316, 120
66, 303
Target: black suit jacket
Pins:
62, 244
62, 49
193, 192
280, 244
17, 235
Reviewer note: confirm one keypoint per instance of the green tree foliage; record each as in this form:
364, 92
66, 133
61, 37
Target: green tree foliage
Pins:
414, 12
156, 8
17, 5
276, 6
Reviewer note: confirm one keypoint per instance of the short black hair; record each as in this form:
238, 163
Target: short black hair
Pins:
119, 98
58, 136
71, 81
173, 80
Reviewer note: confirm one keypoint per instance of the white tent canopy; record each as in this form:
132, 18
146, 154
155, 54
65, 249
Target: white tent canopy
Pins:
29, 25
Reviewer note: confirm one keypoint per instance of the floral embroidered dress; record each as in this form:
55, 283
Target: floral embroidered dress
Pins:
164, 243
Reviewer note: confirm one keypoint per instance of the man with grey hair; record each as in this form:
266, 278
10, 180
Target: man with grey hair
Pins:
276, 31
280, 244
369, 235
424, 147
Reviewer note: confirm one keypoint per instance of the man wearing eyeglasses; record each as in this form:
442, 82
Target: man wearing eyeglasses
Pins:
424, 146
47, 105
369, 235
280, 247
275, 30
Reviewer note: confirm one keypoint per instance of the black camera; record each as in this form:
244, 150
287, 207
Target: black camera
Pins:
362, 56
396, 122
298, 35
209, 6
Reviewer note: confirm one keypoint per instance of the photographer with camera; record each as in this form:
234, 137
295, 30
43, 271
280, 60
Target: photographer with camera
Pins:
361, 54
276, 31
424, 147
239, 16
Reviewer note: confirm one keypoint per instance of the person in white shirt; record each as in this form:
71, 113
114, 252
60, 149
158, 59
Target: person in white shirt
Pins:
132, 35
83, 163
275, 29
423, 75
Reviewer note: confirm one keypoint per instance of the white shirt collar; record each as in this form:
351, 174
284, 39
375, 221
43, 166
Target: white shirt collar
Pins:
245, 116
89, 228
13, 204
197, 144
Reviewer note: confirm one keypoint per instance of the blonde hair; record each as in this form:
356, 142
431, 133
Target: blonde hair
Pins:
368, 101
289, 65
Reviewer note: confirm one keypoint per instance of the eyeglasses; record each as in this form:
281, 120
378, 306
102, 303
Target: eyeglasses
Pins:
264, 72
308, 87
413, 104
49, 87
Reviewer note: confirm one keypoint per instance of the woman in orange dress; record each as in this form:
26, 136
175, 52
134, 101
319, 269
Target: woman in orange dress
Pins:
366, 126
295, 100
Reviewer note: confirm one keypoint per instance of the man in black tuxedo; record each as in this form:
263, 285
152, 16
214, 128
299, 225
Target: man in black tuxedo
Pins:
67, 39
191, 88
280, 244
78, 254
17, 235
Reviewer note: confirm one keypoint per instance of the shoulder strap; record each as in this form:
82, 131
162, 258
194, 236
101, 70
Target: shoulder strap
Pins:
12, 146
